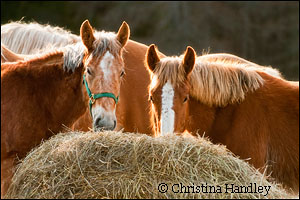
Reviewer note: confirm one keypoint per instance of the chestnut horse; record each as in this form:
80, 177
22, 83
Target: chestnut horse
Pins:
133, 106
40, 94
254, 114
135, 82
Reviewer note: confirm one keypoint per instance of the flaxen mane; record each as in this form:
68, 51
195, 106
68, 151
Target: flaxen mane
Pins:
217, 83
29, 38
229, 58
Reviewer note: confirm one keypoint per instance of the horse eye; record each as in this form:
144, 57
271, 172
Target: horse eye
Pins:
185, 99
122, 73
89, 71
150, 98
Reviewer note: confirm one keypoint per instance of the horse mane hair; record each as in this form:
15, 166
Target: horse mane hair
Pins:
106, 41
29, 38
229, 58
213, 83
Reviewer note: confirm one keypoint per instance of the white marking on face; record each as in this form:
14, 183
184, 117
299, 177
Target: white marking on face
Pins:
167, 113
106, 63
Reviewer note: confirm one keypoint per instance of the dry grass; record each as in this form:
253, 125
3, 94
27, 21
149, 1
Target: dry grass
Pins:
126, 165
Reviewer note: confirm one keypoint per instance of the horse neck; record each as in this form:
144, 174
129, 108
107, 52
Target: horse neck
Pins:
68, 101
57, 91
200, 117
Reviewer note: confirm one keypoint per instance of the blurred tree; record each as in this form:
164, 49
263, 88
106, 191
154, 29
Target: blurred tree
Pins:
263, 32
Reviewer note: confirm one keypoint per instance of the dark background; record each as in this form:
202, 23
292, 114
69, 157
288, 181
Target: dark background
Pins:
266, 33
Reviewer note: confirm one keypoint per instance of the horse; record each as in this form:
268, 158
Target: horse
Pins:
51, 89
133, 88
254, 114
135, 82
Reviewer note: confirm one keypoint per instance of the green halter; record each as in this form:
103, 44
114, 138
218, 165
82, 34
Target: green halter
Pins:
93, 97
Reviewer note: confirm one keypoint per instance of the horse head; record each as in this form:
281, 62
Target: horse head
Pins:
104, 70
169, 89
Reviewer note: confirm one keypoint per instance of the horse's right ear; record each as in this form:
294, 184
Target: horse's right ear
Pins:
152, 57
87, 35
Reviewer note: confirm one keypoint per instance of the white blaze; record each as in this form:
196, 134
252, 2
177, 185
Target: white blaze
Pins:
106, 63
167, 113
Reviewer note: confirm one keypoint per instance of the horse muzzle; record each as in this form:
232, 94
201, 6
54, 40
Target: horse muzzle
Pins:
103, 124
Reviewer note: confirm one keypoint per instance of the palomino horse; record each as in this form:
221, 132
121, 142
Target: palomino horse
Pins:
38, 95
254, 114
133, 106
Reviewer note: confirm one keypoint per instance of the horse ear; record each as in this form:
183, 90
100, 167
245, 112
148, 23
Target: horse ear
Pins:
152, 57
189, 60
87, 36
123, 34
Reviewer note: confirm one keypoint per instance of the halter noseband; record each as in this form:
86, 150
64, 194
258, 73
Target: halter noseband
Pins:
93, 97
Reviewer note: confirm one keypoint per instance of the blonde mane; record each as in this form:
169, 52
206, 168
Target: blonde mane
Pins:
213, 83
229, 58
29, 38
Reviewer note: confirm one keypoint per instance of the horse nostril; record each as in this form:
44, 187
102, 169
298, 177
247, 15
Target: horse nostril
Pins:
115, 123
97, 122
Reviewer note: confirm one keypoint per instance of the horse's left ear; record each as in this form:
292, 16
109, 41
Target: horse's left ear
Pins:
189, 60
87, 35
123, 34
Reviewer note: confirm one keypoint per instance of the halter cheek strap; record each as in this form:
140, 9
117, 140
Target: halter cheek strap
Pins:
93, 97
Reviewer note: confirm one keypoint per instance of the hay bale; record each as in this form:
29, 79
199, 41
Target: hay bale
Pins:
126, 165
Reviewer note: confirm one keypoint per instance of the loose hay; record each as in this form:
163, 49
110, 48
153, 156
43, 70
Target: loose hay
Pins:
126, 165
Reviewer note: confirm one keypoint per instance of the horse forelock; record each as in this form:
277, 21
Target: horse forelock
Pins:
213, 83
106, 41
169, 69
